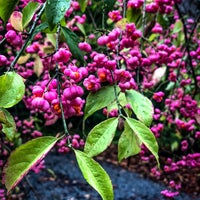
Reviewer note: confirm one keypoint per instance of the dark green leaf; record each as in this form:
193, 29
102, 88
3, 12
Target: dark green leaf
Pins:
28, 12
129, 143
95, 175
8, 123
12, 89
109, 5
72, 41
38, 29
6, 8
24, 158
100, 137
145, 136
55, 11
141, 105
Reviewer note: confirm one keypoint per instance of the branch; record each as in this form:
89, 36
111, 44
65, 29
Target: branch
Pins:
58, 86
187, 48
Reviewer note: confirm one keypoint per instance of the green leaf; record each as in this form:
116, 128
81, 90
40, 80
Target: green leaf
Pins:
81, 28
8, 123
178, 26
100, 137
95, 175
129, 143
28, 13
141, 105
153, 36
83, 4
94, 101
24, 158
12, 89
38, 29
55, 11
122, 101
145, 136
72, 41
163, 20
133, 15
6, 8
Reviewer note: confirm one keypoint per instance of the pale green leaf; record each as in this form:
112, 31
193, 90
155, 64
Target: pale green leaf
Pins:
122, 101
24, 158
178, 26
141, 105
12, 89
55, 10
153, 36
100, 137
95, 175
133, 15
129, 143
28, 13
98, 100
6, 8
8, 123
81, 28
145, 136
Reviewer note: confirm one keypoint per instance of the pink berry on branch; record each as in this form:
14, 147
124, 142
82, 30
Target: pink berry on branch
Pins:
62, 55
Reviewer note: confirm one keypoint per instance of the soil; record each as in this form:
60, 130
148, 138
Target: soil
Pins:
62, 180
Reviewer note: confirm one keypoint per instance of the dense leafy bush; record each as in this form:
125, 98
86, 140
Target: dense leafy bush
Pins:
93, 66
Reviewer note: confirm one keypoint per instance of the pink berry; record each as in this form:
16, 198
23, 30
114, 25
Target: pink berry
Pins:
3, 60
62, 55
84, 46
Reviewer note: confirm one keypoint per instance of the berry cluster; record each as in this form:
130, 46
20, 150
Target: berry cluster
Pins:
146, 57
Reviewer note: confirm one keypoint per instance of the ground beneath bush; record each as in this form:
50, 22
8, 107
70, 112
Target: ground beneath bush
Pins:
188, 177
62, 180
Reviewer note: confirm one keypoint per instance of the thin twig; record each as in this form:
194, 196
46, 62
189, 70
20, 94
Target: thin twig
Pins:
118, 64
58, 86
143, 17
116, 95
187, 48
92, 18
2, 41
32, 188
103, 15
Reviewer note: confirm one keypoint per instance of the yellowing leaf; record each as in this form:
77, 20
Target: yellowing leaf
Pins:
16, 20
24, 158
23, 59
122, 23
38, 66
